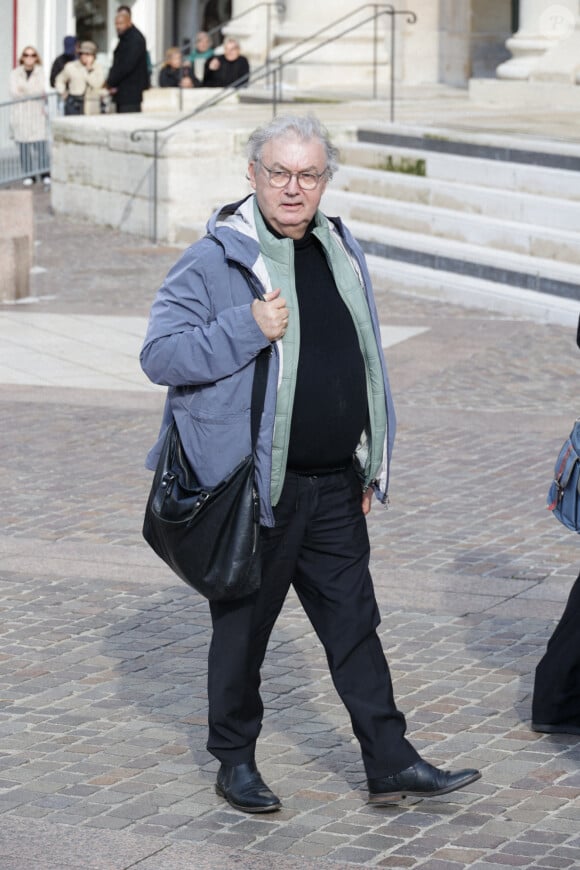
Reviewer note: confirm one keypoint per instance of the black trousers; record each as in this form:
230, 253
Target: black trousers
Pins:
124, 108
556, 698
319, 545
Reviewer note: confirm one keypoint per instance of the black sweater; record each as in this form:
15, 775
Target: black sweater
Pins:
229, 72
330, 402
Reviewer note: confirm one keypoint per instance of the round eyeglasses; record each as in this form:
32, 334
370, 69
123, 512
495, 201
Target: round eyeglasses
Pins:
280, 178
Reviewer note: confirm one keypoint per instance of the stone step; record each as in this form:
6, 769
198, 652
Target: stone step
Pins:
475, 261
553, 182
413, 280
553, 153
528, 208
474, 229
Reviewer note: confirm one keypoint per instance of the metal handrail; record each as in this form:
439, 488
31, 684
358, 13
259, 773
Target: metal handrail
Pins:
279, 5
266, 72
379, 10
386, 9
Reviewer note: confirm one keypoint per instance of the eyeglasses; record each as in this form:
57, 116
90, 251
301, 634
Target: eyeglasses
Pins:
29, 54
282, 177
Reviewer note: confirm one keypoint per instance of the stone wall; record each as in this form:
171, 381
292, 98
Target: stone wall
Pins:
100, 173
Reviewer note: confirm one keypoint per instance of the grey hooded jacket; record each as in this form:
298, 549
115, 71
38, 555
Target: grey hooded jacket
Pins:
202, 341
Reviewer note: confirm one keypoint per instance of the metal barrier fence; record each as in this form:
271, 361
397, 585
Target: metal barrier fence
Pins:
25, 138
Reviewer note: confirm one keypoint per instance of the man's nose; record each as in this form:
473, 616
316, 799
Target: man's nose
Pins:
293, 187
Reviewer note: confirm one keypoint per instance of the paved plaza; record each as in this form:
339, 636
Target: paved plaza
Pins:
103, 651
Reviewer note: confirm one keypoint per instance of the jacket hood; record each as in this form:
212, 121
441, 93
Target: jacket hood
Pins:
70, 43
234, 228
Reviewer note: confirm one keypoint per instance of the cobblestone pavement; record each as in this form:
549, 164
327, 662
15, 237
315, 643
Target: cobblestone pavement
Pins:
103, 652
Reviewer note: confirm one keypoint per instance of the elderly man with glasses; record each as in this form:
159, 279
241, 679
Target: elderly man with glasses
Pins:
322, 451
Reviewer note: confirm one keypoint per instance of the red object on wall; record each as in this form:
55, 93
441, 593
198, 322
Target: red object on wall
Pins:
14, 32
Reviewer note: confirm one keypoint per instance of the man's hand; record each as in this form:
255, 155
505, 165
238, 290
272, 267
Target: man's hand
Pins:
271, 315
367, 500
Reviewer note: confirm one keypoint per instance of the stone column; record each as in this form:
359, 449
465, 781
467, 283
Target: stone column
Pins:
251, 29
543, 25
561, 63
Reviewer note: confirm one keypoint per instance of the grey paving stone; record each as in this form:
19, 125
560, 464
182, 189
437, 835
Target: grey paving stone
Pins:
103, 654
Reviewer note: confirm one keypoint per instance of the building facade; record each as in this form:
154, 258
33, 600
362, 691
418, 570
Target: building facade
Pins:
450, 42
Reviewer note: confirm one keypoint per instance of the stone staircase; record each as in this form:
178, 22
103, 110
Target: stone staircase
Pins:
484, 220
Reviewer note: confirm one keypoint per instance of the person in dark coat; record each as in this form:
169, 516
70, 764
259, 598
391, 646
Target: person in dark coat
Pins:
229, 68
71, 44
128, 76
174, 74
556, 698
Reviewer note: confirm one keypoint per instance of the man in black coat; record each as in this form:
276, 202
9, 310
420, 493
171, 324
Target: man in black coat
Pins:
230, 68
128, 76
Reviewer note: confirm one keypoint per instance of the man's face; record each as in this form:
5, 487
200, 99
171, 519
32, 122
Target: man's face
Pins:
202, 42
231, 50
289, 209
122, 23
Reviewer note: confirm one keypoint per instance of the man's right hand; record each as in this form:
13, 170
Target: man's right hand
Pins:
271, 315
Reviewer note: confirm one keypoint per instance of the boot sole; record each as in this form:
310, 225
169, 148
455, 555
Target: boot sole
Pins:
379, 800
245, 809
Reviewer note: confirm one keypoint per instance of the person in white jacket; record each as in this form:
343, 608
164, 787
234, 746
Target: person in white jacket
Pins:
81, 81
28, 116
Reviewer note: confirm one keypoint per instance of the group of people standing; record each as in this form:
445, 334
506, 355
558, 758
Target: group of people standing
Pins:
81, 80
83, 85
204, 66
86, 89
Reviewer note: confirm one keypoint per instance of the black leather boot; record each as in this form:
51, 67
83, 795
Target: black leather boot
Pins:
244, 789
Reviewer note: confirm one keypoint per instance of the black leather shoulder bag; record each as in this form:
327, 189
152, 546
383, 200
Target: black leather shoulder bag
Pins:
210, 537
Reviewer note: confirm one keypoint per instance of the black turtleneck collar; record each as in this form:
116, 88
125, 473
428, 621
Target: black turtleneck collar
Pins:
305, 238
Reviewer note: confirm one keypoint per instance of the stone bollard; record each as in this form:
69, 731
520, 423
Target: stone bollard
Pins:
16, 243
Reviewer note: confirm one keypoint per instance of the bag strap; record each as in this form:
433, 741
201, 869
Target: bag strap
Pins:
259, 392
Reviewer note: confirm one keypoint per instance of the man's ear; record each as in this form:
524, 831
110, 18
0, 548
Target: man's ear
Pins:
251, 174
